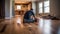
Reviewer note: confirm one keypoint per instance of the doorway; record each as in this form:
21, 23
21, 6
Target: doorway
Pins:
2, 9
22, 7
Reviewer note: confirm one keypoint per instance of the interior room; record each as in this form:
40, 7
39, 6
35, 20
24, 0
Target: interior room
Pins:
29, 16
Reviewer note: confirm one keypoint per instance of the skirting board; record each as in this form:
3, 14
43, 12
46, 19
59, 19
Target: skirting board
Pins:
8, 17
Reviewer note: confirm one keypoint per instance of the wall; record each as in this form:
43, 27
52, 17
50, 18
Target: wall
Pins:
7, 9
13, 13
11, 7
55, 6
37, 8
24, 7
34, 7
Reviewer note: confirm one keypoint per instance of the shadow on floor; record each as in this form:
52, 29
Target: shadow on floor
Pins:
3, 29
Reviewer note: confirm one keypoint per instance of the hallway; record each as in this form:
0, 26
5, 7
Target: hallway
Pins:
43, 26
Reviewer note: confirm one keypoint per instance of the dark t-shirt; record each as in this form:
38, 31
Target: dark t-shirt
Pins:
28, 14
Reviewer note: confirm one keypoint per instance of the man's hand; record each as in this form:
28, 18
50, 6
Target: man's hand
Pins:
32, 17
37, 17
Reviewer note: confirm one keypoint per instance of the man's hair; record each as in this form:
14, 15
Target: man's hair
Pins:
31, 9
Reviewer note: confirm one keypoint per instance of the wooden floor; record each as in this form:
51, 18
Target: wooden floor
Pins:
16, 26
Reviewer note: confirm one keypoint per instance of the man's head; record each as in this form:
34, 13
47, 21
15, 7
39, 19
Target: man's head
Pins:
31, 9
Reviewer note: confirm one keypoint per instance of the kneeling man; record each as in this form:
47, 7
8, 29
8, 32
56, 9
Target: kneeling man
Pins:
29, 17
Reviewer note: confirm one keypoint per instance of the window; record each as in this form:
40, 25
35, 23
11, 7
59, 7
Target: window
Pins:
44, 7
18, 7
41, 7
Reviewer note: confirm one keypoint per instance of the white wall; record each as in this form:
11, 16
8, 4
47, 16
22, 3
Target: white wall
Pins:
11, 15
8, 9
37, 8
34, 7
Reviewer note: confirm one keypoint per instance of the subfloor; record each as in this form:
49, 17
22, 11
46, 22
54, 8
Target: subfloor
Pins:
16, 26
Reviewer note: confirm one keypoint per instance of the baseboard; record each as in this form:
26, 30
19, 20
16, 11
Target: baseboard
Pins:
7, 17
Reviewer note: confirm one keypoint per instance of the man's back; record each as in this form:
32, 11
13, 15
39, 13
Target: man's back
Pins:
28, 14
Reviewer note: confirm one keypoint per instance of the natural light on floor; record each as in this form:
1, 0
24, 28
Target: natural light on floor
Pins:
45, 25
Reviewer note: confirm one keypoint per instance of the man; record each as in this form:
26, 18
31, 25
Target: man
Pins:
29, 17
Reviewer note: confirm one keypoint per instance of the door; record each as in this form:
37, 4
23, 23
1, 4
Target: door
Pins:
2, 9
